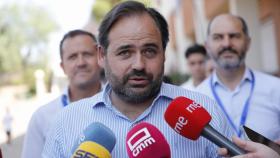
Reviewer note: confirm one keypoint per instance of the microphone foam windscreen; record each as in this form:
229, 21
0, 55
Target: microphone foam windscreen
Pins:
90, 149
98, 133
146, 141
187, 117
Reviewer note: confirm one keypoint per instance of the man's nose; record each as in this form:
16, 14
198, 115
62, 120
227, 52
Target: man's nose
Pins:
81, 60
138, 62
227, 41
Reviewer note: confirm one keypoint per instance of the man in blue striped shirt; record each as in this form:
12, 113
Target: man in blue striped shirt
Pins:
133, 39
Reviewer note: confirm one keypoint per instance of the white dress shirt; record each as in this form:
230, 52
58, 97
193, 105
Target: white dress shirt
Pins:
189, 85
39, 125
264, 108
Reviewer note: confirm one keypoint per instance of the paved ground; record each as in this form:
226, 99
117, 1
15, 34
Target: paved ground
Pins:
21, 109
13, 150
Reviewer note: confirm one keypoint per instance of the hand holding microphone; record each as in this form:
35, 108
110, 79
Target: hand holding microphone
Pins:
146, 141
97, 141
254, 149
191, 120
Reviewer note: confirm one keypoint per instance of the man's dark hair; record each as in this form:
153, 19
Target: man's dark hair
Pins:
130, 8
243, 22
195, 49
72, 34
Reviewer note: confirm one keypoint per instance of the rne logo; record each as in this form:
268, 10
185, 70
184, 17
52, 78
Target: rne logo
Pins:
180, 124
193, 106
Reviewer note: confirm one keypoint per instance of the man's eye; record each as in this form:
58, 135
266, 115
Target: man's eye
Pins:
72, 57
192, 63
217, 37
88, 54
124, 53
236, 36
150, 52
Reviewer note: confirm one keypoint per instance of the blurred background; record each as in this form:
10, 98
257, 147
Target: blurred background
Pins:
30, 32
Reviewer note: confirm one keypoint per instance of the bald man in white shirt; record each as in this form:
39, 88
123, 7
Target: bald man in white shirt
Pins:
246, 96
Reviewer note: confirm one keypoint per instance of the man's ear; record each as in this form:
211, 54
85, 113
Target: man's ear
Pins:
101, 56
62, 66
248, 43
206, 46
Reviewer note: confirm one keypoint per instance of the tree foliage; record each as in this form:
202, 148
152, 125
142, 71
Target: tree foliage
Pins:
24, 33
101, 7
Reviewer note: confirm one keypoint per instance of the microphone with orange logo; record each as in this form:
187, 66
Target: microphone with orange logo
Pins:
97, 141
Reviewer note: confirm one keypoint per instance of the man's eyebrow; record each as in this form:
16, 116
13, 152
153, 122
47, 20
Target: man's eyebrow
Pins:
217, 34
124, 47
151, 45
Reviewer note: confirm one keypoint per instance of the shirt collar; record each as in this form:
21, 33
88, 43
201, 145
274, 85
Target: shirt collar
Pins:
65, 96
246, 77
103, 99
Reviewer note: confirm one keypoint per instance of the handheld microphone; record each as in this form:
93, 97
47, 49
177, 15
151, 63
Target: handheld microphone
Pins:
146, 141
97, 140
191, 120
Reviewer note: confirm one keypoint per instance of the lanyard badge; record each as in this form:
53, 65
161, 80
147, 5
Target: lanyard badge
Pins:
245, 107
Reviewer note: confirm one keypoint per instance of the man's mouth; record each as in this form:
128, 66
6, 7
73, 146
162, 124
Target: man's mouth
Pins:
138, 80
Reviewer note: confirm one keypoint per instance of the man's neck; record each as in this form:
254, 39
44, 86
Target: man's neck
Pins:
130, 110
231, 78
197, 81
77, 93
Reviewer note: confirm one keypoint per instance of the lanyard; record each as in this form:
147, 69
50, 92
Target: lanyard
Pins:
64, 100
245, 107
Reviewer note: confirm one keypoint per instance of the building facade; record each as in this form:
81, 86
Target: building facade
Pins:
188, 20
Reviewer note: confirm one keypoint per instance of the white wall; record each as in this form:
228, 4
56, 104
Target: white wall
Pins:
269, 46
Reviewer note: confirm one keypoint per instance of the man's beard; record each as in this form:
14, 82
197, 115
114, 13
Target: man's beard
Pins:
125, 91
230, 64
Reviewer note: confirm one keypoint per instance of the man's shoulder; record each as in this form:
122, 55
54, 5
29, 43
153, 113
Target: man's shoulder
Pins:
204, 84
185, 83
264, 77
172, 91
90, 100
83, 104
55, 106
175, 91
266, 83
188, 85
204, 87
44, 114
50, 107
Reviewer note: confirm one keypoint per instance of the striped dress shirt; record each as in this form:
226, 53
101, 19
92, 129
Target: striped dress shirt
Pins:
70, 123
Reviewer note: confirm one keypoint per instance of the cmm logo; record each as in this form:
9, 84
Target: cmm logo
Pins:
141, 143
83, 154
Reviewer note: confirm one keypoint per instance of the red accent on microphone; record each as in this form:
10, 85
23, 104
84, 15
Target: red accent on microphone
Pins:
146, 141
187, 117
